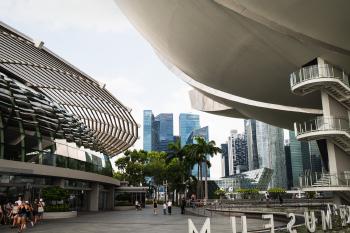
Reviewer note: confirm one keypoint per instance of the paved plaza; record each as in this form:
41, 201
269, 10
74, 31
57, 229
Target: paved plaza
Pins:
133, 221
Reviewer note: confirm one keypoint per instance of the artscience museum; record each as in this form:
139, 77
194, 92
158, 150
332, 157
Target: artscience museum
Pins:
285, 64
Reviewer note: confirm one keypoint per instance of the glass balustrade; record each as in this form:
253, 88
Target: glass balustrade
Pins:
324, 179
322, 124
318, 71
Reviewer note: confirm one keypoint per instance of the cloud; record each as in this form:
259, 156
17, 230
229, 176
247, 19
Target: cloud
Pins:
94, 15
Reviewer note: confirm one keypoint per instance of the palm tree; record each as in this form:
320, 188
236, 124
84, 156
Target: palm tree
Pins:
200, 151
180, 153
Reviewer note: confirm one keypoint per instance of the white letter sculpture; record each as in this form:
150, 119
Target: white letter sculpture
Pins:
204, 229
326, 220
271, 225
291, 223
311, 226
244, 224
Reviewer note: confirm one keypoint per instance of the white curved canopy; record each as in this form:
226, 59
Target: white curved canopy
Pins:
246, 49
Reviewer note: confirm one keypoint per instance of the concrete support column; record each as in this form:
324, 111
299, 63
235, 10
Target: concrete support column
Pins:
336, 156
94, 197
110, 198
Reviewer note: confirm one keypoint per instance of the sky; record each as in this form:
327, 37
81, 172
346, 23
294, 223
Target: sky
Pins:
97, 38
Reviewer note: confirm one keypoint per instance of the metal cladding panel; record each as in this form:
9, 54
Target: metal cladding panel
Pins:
109, 121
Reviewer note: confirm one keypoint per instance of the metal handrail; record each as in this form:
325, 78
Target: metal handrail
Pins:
325, 179
318, 71
322, 124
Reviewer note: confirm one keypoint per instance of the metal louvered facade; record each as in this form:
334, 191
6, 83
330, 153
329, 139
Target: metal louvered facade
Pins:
102, 123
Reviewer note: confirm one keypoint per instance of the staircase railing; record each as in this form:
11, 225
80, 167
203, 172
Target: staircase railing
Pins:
322, 124
324, 180
316, 72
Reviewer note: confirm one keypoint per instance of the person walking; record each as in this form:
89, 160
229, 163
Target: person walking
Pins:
155, 206
36, 211
169, 207
183, 205
41, 209
164, 208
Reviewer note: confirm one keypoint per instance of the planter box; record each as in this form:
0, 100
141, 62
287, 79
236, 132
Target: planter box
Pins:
124, 207
58, 215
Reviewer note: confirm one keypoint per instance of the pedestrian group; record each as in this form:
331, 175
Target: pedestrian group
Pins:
21, 213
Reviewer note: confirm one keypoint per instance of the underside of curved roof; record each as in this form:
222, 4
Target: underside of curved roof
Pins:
247, 49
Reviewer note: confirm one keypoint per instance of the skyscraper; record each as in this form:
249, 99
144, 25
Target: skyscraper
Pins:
204, 133
299, 151
187, 124
148, 130
271, 152
305, 156
157, 131
164, 131
250, 132
224, 160
237, 153
288, 164
315, 157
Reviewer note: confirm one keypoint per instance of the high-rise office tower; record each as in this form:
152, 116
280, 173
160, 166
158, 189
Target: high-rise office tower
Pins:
187, 124
288, 164
224, 160
157, 131
315, 157
271, 152
148, 130
237, 153
250, 132
305, 156
299, 151
204, 133
164, 131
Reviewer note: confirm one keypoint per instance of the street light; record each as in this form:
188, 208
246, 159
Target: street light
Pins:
165, 184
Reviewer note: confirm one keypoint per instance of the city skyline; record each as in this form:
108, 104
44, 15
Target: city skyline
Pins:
130, 80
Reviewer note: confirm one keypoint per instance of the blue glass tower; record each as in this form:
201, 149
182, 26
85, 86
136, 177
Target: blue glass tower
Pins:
204, 133
187, 124
165, 131
148, 132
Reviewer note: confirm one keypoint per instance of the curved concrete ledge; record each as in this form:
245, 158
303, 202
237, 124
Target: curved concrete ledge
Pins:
320, 134
10, 166
59, 215
316, 83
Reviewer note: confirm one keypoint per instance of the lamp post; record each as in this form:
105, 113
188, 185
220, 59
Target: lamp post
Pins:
165, 184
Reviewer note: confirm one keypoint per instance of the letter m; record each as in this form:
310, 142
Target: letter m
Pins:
205, 228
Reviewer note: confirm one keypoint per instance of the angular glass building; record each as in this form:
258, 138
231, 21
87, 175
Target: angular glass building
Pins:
224, 160
58, 126
165, 131
148, 130
187, 124
250, 132
158, 131
237, 153
271, 152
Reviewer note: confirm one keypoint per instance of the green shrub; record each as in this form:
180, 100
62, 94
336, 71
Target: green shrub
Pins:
248, 193
276, 192
220, 193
